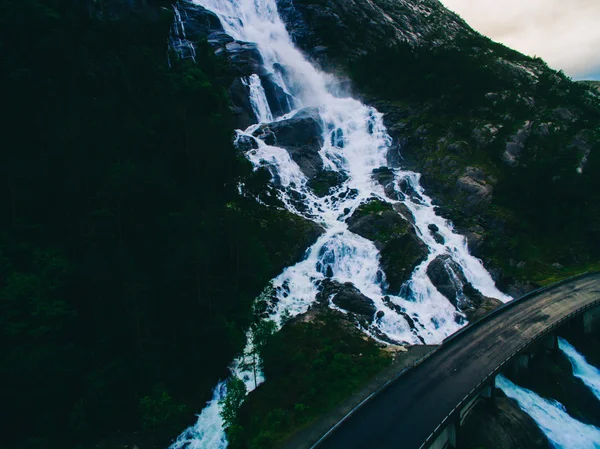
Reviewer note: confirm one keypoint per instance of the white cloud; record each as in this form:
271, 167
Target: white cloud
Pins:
566, 34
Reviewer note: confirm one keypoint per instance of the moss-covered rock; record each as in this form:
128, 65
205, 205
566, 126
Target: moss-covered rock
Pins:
325, 181
314, 362
401, 250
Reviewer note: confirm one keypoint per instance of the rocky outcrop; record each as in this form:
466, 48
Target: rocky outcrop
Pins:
401, 250
449, 279
516, 144
301, 135
348, 297
509, 114
325, 181
477, 187
195, 24
326, 30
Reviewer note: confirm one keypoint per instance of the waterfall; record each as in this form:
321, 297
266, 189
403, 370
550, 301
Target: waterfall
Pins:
178, 39
563, 431
356, 143
588, 374
258, 99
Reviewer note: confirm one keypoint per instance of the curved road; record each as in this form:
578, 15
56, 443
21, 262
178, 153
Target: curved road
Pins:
409, 409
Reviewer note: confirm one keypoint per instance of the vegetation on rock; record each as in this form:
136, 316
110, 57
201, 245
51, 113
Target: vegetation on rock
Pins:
507, 145
128, 259
309, 369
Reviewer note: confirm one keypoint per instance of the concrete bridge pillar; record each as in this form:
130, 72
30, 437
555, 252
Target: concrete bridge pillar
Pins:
591, 321
550, 343
520, 363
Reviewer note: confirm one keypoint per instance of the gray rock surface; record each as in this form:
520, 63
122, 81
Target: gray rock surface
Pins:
301, 135
400, 249
348, 297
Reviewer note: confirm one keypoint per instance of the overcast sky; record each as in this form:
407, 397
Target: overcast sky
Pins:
565, 33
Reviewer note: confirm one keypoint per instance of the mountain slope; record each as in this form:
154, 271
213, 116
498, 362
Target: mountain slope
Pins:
507, 145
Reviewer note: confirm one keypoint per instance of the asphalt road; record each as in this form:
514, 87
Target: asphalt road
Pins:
408, 411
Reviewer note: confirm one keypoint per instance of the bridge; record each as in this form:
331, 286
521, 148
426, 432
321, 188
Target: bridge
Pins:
424, 406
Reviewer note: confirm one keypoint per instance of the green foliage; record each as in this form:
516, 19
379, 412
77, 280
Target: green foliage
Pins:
310, 370
231, 403
543, 211
158, 409
128, 260
456, 75
371, 207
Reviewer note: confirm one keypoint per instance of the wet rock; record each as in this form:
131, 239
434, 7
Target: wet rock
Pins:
435, 232
244, 58
387, 179
380, 314
266, 134
279, 101
400, 248
348, 297
400, 311
240, 105
399, 258
405, 212
475, 237
448, 278
324, 182
246, 143
302, 137
446, 275
199, 22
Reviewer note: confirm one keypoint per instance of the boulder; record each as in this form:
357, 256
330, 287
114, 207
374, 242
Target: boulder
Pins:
199, 22
348, 297
302, 137
243, 58
446, 275
435, 233
475, 237
280, 102
325, 181
246, 143
387, 179
476, 186
448, 278
400, 249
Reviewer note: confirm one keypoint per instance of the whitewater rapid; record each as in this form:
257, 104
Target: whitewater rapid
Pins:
562, 430
356, 142
589, 375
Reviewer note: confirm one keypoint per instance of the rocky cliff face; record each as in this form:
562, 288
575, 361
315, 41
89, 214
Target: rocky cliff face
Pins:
324, 29
505, 144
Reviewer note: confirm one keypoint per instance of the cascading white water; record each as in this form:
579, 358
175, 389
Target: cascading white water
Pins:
562, 430
589, 375
258, 99
178, 35
355, 143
